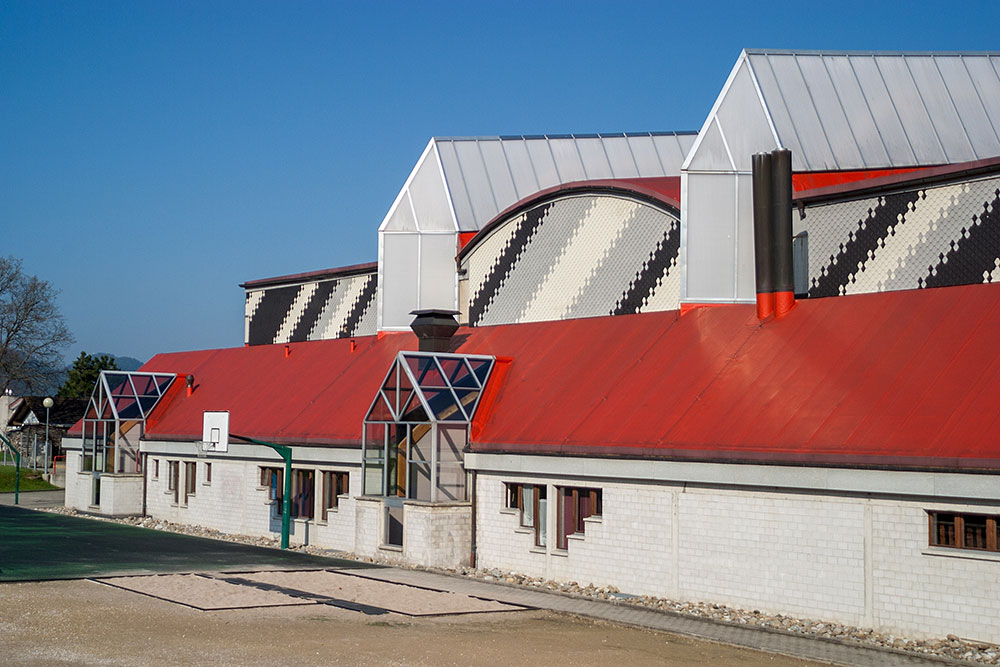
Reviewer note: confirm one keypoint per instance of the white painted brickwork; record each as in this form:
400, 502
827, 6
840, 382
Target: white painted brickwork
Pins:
934, 595
792, 553
235, 503
437, 534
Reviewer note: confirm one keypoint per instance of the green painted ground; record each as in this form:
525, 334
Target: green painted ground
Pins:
30, 480
39, 546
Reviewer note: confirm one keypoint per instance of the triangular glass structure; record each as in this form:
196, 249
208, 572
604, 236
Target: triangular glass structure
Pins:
436, 387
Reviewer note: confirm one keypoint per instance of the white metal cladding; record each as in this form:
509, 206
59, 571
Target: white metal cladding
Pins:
460, 184
834, 111
581, 255
927, 236
854, 110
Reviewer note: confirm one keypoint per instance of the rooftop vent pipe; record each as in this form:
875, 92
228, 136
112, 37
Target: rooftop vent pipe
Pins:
434, 328
772, 226
189, 383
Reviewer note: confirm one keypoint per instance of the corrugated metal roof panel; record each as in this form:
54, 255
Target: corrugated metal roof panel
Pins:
897, 379
485, 175
851, 110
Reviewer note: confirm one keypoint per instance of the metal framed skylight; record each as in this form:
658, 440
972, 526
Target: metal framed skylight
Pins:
431, 387
127, 395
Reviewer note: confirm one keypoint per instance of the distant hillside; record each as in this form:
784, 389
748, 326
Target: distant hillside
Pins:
128, 363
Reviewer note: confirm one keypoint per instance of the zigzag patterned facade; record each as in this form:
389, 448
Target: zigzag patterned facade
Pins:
585, 255
934, 236
318, 310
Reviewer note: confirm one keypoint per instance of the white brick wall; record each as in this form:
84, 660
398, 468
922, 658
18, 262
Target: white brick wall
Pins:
795, 553
235, 503
121, 495
928, 594
437, 535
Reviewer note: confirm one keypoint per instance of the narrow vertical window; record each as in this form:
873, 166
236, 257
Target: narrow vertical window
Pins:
208, 473
190, 479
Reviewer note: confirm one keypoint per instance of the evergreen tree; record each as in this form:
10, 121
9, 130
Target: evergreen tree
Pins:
84, 373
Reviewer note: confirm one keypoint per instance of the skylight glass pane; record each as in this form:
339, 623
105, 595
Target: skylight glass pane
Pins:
481, 367
414, 411
128, 409
118, 384
468, 399
404, 398
148, 403
144, 385
379, 411
443, 405
163, 381
464, 377
404, 380
451, 366
390, 398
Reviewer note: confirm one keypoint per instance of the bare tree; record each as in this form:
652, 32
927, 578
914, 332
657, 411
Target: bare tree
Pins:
32, 331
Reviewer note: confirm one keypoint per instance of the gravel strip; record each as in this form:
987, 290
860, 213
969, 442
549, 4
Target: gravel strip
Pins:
950, 647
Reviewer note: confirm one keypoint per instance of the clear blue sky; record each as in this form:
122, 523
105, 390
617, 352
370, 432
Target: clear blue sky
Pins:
155, 155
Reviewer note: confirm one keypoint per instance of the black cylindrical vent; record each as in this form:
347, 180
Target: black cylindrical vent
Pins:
762, 223
781, 211
434, 329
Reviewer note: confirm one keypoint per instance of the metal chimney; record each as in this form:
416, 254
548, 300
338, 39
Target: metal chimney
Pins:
434, 328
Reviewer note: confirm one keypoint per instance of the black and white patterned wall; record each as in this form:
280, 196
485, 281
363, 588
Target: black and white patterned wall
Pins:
934, 236
583, 255
337, 308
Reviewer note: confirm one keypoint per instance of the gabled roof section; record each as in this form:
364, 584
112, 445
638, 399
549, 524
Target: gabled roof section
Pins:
896, 379
854, 110
461, 183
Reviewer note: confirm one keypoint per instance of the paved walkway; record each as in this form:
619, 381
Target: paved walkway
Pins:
755, 638
35, 499
750, 637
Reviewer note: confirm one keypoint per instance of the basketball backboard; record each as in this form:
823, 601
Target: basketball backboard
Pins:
215, 431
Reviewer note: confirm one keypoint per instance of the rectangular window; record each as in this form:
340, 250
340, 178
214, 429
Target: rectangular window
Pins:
208, 473
173, 478
575, 505
156, 468
273, 480
335, 484
190, 478
303, 487
978, 532
530, 502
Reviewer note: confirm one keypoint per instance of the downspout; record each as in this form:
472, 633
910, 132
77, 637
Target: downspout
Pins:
472, 552
145, 473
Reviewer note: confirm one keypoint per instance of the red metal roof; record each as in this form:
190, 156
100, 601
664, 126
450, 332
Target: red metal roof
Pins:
892, 379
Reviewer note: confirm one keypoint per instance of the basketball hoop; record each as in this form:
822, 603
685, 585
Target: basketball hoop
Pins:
215, 432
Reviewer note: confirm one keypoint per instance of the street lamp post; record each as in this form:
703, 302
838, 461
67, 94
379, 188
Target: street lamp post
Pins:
48, 403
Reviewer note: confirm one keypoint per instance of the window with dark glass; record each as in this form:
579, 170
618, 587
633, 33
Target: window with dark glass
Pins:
978, 532
575, 505
303, 488
530, 502
272, 479
190, 479
335, 484
173, 478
